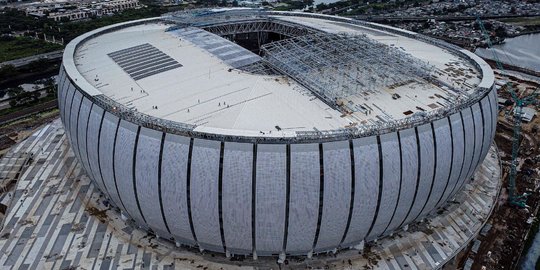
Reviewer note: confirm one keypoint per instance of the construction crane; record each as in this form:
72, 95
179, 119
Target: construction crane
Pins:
519, 103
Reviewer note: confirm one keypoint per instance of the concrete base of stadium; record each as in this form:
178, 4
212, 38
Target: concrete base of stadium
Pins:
57, 219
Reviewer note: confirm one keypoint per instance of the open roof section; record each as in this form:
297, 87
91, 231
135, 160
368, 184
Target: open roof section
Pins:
263, 102
336, 66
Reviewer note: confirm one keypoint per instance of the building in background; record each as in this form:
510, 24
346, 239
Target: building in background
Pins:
80, 11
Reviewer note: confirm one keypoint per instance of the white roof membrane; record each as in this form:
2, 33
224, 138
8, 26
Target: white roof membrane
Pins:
191, 76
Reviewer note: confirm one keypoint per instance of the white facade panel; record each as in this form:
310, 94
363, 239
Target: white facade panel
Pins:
173, 187
82, 123
146, 179
73, 117
479, 129
443, 140
62, 84
409, 156
391, 183
67, 110
270, 198
106, 146
271, 175
123, 169
366, 189
458, 144
93, 136
204, 193
304, 198
62, 93
486, 107
469, 147
337, 194
427, 159
236, 197
494, 114
61, 77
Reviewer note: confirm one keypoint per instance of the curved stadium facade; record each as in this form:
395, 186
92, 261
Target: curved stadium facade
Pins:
253, 132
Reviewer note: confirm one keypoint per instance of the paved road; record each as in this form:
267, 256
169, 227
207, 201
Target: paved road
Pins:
28, 111
4, 104
24, 61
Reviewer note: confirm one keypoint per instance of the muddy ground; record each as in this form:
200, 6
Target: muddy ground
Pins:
502, 246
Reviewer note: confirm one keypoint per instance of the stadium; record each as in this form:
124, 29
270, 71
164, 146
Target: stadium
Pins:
244, 131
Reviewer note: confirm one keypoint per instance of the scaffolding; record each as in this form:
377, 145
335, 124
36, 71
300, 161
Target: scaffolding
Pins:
335, 66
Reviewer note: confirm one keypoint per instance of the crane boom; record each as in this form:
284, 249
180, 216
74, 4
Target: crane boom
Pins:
519, 103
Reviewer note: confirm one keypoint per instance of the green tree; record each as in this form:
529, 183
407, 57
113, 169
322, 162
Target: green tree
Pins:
321, 6
50, 85
307, 2
12, 103
15, 91
501, 32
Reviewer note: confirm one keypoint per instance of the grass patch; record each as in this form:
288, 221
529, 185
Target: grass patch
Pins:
19, 47
47, 98
32, 119
523, 21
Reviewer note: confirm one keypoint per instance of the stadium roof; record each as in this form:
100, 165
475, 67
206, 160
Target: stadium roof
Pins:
189, 75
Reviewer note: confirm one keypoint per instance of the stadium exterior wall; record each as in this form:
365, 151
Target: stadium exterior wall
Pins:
272, 198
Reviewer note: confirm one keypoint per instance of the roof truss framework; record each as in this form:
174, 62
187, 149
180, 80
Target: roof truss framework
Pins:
241, 27
336, 66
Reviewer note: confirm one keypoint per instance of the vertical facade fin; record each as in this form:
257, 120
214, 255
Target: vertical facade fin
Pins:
63, 98
254, 199
353, 185
379, 194
113, 164
287, 195
188, 188
160, 192
451, 160
418, 170
473, 151
77, 128
220, 194
67, 119
134, 174
86, 136
434, 169
98, 152
483, 131
400, 182
321, 195
463, 158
